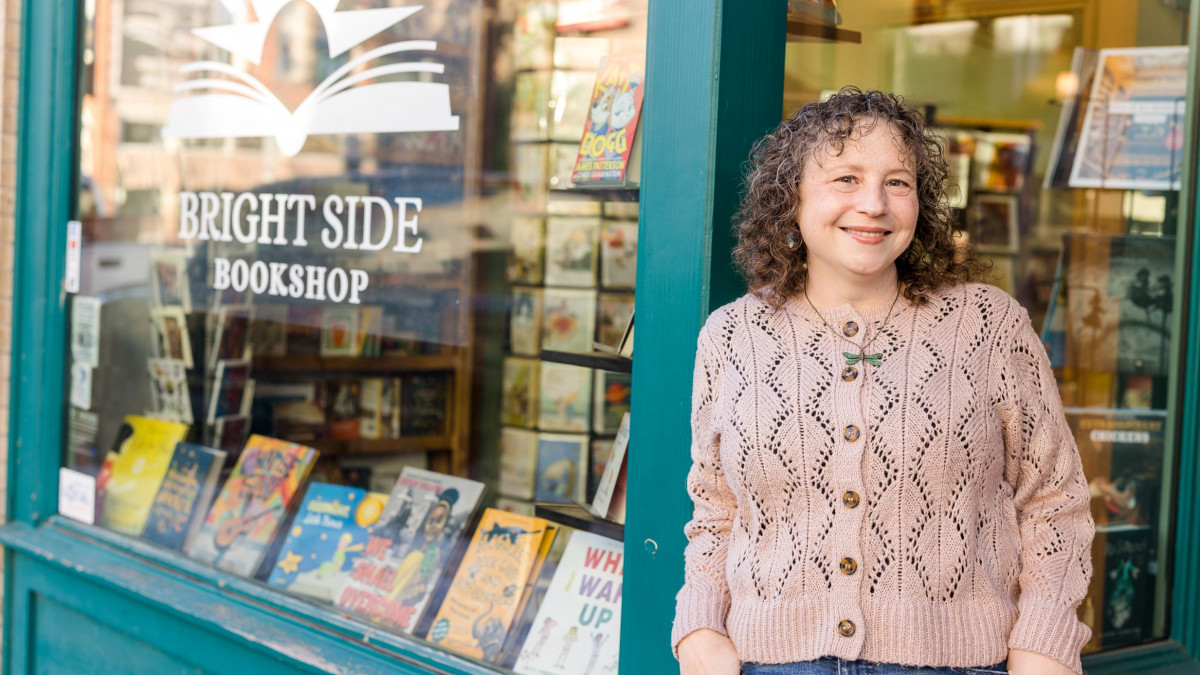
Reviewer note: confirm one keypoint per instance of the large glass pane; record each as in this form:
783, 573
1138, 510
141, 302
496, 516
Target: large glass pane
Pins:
1064, 133
356, 304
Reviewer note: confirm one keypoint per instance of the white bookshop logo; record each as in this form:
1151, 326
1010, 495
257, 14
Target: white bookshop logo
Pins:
230, 102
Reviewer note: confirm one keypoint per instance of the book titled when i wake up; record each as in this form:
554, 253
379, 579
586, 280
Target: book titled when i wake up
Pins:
245, 516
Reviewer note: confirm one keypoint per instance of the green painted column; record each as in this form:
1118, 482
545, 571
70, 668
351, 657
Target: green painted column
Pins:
714, 85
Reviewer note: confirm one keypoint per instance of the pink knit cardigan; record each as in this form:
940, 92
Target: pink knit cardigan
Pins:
930, 510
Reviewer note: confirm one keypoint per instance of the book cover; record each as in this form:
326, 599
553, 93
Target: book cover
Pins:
247, 513
615, 311
618, 254
184, 495
611, 127
169, 274
231, 387
327, 535
171, 339
578, 625
408, 549
370, 405
564, 398
612, 401
572, 251
568, 320
141, 455
562, 464
342, 408
339, 329
1122, 456
370, 329
525, 321
230, 433
518, 462
606, 489
425, 401
169, 391
487, 590
232, 341
519, 385
526, 261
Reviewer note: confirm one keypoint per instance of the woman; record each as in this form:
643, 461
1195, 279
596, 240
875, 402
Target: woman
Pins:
882, 473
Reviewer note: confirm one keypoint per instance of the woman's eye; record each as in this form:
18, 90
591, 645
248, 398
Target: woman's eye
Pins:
846, 179
898, 183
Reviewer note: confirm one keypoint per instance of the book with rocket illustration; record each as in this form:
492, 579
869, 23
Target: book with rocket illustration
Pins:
491, 585
578, 625
247, 513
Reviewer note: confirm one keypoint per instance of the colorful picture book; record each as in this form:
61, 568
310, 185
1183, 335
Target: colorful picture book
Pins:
243, 520
616, 309
577, 628
612, 401
169, 390
328, 534
520, 391
528, 239
141, 455
565, 398
339, 328
489, 588
572, 251
525, 321
170, 282
568, 320
611, 128
562, 465
408, 548
618, 254
614, 469
171, 340
184, 495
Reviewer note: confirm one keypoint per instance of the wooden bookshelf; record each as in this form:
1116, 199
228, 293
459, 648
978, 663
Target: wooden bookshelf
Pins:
801, 28
573, 515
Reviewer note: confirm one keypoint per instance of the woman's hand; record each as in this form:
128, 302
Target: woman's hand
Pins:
707, 652
1020, 662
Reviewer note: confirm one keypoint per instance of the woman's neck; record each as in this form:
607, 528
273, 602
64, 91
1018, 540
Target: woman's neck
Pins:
824, 291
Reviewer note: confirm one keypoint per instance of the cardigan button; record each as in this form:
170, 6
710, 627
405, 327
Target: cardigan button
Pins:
850, 499
852, 433
846, 628
850, 374
850, 329
849, 566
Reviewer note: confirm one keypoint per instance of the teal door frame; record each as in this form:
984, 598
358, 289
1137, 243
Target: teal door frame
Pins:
717, 86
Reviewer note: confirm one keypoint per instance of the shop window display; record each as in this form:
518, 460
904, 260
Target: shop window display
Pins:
356, 306
1064, 135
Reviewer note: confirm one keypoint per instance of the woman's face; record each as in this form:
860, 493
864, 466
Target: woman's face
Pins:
858, 209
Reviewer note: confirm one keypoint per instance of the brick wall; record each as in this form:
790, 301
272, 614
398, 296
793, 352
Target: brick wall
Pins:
9, 67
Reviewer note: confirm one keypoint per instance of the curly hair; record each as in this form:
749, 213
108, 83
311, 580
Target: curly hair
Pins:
771, 204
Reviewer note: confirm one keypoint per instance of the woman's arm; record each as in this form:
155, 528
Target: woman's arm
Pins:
703, 602
1052, 502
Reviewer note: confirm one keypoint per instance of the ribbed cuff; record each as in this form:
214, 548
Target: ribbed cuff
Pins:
1047, 627
698, 607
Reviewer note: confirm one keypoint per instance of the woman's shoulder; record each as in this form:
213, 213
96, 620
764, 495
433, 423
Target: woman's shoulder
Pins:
982, 303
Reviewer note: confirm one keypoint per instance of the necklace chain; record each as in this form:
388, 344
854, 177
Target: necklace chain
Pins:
862, 355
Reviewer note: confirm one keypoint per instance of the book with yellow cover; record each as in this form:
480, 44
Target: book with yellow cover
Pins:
144, 448
489, 588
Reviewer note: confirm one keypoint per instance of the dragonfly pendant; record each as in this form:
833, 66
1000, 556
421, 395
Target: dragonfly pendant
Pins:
872, 359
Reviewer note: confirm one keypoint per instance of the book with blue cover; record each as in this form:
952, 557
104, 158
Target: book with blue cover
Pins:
329, 532
184, 495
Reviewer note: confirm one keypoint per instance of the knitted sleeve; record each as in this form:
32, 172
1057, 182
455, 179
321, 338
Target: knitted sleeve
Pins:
703, 601
1051, 498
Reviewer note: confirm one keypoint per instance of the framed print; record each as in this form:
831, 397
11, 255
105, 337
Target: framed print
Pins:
611, 400
565, 398
169, 275
993, 223
525, 321
171, 338
618, 254
520, 392
232, 339
568, 320
571, 251
562, 462
615, 311
526, 262
1001, 162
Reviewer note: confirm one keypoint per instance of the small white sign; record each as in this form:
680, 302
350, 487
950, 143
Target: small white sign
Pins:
74, 255
81, 385
85, 330
77, 495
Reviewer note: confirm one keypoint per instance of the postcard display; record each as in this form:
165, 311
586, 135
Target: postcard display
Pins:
305, 415
572, 267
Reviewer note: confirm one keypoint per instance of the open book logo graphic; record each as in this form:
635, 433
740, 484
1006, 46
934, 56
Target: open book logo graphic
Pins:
232, 103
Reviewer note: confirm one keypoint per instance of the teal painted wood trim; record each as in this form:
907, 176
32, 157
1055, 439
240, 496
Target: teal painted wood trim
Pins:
714, 85
45, 146
1162, 658
300, 635
1185, 574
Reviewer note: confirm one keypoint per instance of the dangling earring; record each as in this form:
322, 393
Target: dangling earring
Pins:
793, 241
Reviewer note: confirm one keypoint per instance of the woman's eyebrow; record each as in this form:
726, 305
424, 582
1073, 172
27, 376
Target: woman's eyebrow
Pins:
836, 165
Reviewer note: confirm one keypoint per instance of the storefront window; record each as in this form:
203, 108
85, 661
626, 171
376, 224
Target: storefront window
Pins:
355, 306
1064, 133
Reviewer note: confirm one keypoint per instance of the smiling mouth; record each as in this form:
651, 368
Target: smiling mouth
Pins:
864, 233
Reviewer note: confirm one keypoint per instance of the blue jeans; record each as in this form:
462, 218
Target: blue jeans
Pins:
830, 665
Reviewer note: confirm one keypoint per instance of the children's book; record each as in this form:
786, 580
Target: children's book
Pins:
184, 496
328, 534
142, 453
609, 133
244, 518
606, 489
562, 464
169, 390
518, 462
578, 626
339, 331
489, 587
408, 548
